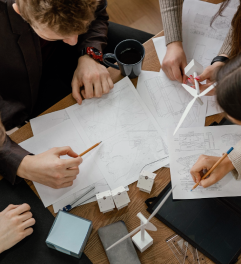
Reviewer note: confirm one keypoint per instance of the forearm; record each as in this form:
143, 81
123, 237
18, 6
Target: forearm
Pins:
97, 34
11, 155
171, 11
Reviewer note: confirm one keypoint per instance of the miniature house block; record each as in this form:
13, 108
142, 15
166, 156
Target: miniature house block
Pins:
120, 197
105, 201
192, 67
142, 245
146, 181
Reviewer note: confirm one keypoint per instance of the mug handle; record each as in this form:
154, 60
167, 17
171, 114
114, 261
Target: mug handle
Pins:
107, 63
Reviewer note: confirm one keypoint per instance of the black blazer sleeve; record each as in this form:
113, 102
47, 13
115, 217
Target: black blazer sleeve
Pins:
96, 36
11, 155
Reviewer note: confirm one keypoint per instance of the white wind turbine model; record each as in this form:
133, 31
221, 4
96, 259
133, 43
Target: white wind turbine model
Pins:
142, 239
195, 94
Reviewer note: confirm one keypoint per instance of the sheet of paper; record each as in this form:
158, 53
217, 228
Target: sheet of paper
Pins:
201, 41
185, 148
212, 106
167, 101
41, 123
130, 135
64, 134
100, 186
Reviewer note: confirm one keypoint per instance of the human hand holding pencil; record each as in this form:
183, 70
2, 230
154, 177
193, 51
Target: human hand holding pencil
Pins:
216, 168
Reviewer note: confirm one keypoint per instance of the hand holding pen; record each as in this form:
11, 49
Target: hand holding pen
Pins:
217, 168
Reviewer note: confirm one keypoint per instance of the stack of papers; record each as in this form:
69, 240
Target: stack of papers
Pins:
131, 140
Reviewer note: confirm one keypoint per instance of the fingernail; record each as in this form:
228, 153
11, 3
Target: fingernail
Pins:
189, 79
191, 76
197, 78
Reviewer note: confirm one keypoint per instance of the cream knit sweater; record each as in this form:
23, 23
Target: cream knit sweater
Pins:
171, 11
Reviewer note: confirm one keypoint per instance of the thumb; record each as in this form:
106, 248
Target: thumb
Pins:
65, 151
76, 90
204, 76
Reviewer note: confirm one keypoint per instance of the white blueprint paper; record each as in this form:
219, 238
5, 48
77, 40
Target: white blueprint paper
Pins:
201, 41
64, 134
131, 138
212, 106
43, 122
185, 148
167, 101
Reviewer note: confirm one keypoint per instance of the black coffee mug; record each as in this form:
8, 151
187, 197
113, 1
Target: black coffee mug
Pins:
129, 55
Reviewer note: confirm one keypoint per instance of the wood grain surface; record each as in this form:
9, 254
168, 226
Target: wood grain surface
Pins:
159, 252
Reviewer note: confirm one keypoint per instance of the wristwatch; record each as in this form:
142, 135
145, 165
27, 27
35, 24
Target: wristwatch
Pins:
93, 53
219, 58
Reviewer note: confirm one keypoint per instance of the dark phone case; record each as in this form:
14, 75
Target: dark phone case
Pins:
123, 253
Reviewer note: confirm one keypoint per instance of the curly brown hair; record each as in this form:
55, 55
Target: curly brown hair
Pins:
64, 17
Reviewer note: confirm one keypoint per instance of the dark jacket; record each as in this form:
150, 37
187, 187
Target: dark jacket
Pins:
20, 74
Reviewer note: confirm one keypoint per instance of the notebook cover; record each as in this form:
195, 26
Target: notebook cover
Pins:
33, 248
207, 224
122, 253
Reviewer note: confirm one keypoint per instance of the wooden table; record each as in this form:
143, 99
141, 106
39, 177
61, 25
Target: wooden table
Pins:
159, 252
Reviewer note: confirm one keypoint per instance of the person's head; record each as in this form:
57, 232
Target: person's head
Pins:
58, 19
228, 89
236, 32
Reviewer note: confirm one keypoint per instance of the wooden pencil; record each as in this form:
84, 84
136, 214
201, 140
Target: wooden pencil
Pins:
90, 149
213, 167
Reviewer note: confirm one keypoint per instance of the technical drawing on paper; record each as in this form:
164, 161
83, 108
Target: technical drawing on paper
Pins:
196, 141
170, 101
186, 181
113, 113
218, 30
122, 158
231, 139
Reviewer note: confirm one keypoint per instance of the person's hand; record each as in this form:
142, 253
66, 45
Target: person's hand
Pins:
93, 76
48, 169
205, 163
174, 62
15, 225
208, 75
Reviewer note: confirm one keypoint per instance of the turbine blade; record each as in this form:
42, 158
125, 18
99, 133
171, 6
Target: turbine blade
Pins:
161, 204
125, 237
188, 108
190, 90
150, 226
207, 90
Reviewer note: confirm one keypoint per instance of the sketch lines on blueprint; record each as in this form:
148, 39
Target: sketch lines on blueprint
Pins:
170, 101
105, 117
196, 141
231, 139
124, 156
185, 177
218, 30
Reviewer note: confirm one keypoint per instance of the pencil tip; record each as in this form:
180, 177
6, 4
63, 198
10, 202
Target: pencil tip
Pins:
100, 141
191, 190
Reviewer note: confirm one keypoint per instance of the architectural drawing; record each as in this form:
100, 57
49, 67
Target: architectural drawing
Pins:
210, 141
122, 158
105, 117
230, 139
170, 101
196, 141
